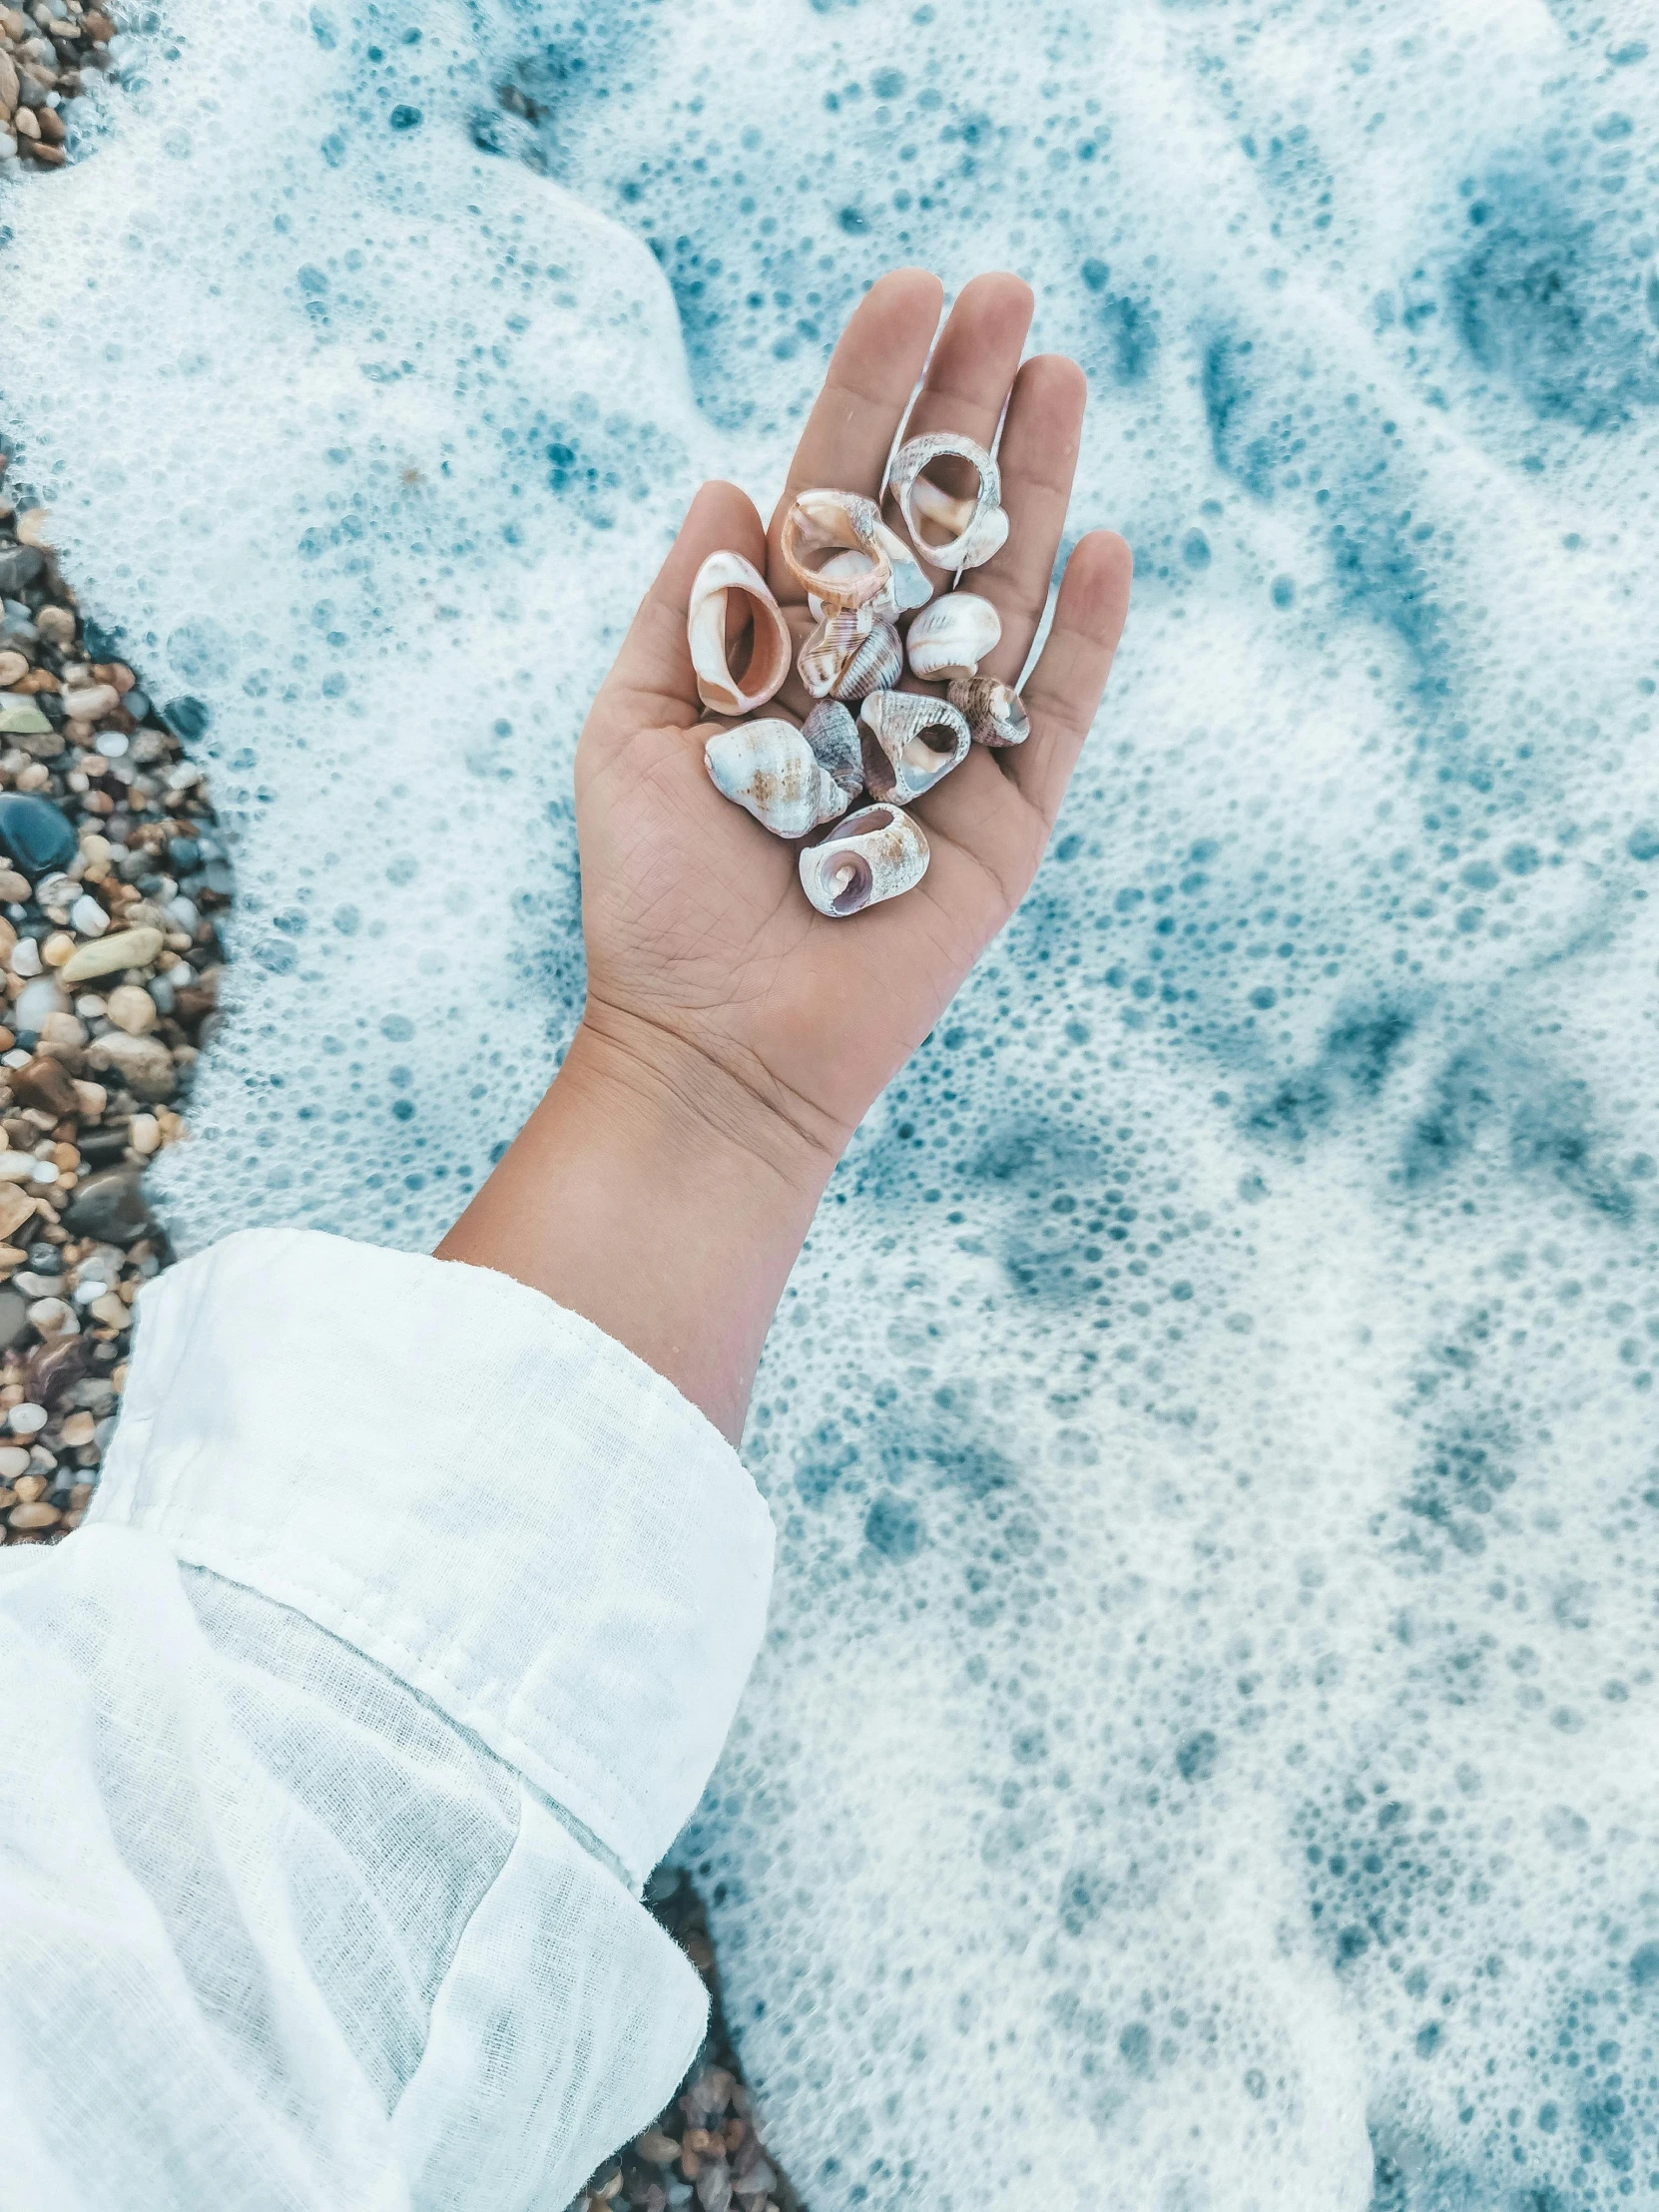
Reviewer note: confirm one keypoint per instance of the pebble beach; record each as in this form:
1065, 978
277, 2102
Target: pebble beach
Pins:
114, 882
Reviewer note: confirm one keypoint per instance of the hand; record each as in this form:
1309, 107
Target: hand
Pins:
733, 1037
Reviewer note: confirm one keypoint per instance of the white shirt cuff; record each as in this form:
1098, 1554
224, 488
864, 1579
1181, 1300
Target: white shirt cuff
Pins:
480, 1491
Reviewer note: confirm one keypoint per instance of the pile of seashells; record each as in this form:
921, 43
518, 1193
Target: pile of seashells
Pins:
861, 578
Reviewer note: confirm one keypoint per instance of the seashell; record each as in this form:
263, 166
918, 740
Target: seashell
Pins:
951, 637
833, 737
770, 768
911, 742
994, 713
821, 528
976, 538
873, 854
829, 648
876, 665
911, 586
705, 619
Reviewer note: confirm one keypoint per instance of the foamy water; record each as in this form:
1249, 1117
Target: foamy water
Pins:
1205, 1757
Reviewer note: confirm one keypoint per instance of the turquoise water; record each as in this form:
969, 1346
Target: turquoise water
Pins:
1205, 1757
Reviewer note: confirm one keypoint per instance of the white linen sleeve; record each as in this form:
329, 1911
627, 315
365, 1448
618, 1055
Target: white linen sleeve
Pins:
405, 1634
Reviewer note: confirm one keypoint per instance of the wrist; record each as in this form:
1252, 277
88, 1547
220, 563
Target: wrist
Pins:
658, 1193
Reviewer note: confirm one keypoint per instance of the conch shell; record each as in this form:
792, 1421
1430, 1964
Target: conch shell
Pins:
819, 530
994, 713
833, 737
770, 768
978, 528
951, 637
769, 661
912, 743
873, 854
842, 661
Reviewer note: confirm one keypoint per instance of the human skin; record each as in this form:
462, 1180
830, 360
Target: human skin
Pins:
733, 1038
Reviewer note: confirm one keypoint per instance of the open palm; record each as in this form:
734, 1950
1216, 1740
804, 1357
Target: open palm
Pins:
695, 920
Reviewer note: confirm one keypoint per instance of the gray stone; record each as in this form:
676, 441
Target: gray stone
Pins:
19, 565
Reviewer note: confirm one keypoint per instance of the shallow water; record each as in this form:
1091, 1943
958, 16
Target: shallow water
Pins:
1205, 1756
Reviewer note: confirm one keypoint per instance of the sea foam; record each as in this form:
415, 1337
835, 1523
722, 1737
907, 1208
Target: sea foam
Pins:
1205, 1754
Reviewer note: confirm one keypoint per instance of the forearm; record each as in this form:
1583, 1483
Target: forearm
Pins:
652, 1194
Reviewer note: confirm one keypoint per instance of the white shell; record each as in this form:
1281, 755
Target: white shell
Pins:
871, 856
951, 637
911, 586
972, 542
768, 663
913, 743
994, 713
768, 769
833, 737
822, 527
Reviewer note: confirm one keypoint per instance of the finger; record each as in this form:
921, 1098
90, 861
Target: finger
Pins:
871, 376
652, 679
1063, 694
973, 367
1038, 456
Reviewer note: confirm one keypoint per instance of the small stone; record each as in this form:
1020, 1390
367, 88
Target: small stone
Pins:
27, 1419
144, 1134
122, 948
14, 1319
21, 564
30, 1486
143, 1063
25, 125
62, 1034
92, 703
21, 718
55, 1369
14, 889
57, 950
655, 2149
78, 1430
112, 1311
16, 1205
42, 1082
34, 522
132, 1008
109, 1207
24, 957
36, 1000
40, 1515
14, 1461
37, 835
90, 1100
53, 1317
88, 916
13, 668
58, 624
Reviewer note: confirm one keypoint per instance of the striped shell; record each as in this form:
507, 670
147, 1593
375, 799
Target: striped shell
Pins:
871, 856
833, 737
706, 622
994, 713
768, 769
912, 743
952, 636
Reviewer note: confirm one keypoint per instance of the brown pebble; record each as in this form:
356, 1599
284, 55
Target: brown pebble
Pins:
38, 1515
688, 2158
51, 125
655, 2149
41, 1082
29, 1488
50, 156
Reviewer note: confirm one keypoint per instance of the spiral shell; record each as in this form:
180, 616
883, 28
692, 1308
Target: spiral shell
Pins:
909, 588
911, 743
994, 713
832, 735
839, 662
951, 637
768, 769
769, 661
821, 528
873, 854
977, 537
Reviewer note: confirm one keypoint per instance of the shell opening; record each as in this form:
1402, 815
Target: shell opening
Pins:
740, 635
944, 498
850, 883
868, 821
928, 746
